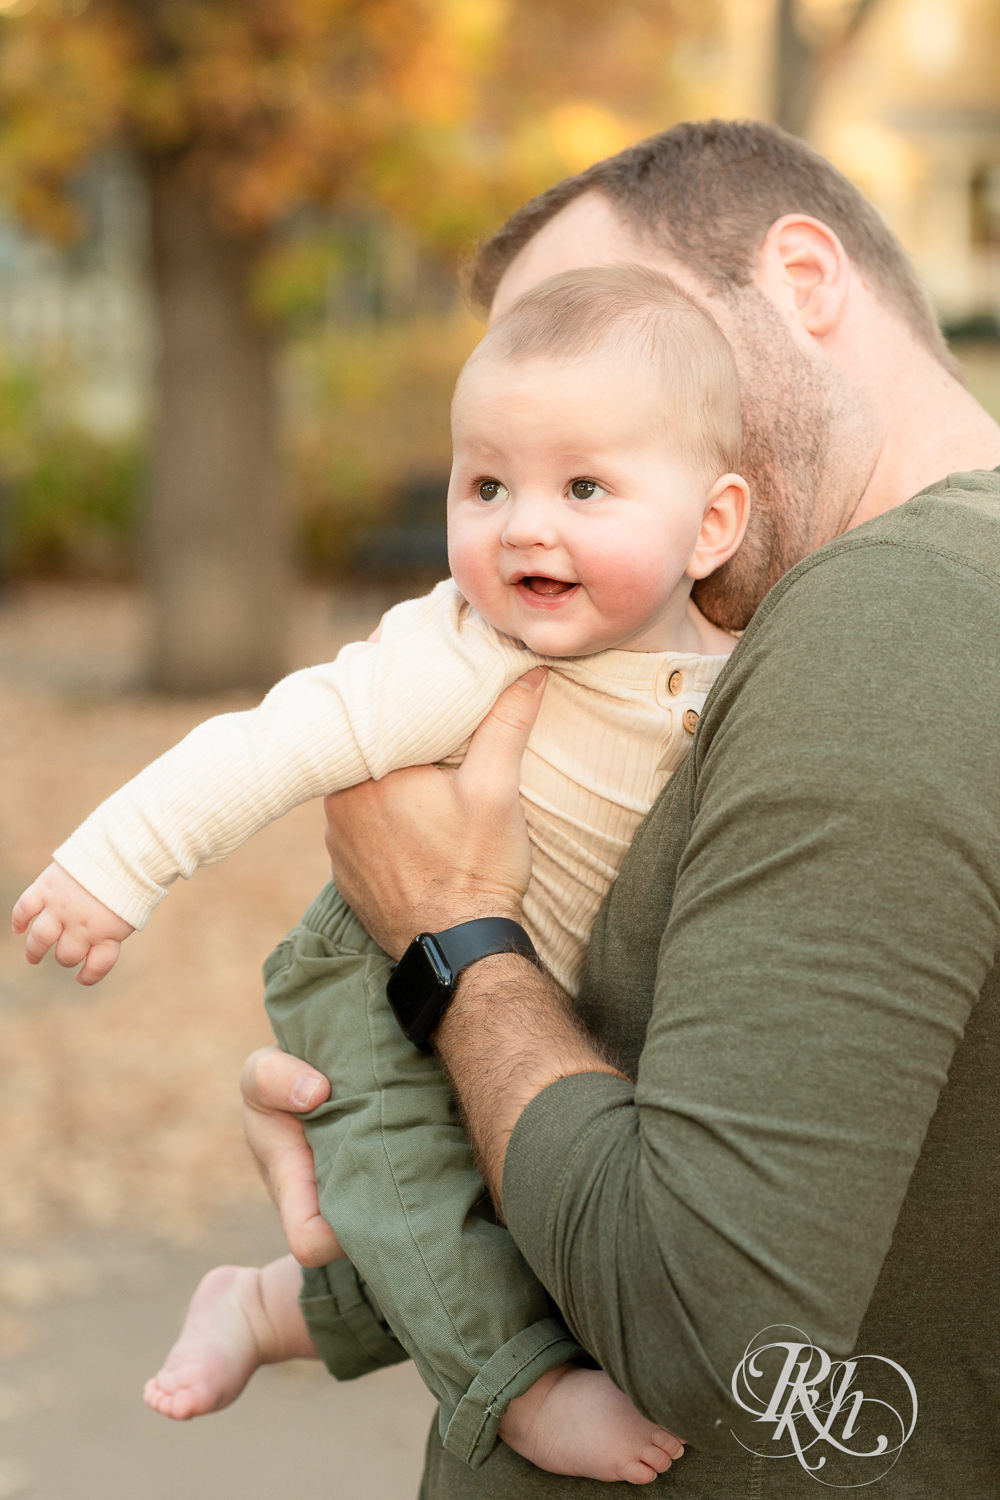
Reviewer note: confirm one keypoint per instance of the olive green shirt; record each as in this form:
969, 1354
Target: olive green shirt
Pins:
799, 964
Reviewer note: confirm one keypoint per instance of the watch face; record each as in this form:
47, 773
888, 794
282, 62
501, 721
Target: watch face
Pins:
420, 987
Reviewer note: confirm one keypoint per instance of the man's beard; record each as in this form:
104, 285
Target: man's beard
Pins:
792, 408
779, 530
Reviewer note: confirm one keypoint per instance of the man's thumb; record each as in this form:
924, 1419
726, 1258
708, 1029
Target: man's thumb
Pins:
496, 748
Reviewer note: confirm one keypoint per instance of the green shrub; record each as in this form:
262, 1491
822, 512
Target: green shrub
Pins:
367, 422
73, 511
69, 497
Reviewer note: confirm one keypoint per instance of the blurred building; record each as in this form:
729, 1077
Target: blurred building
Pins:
83, 312
911, 111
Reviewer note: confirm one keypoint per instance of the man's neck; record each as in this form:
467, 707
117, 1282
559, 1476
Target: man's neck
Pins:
935, 427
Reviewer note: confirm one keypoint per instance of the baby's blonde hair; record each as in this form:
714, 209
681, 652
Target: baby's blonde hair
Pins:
640, 312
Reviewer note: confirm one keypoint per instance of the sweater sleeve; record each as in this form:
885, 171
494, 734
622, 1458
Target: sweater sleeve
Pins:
412, 698
835, 917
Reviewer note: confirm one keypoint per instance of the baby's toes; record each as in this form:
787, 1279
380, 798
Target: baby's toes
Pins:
164, 1395
656, 1456
180, 1406
668, 1440
637, 1471
153, 1393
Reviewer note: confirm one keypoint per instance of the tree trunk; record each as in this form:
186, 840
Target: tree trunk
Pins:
795, 74
217, 533
802, 61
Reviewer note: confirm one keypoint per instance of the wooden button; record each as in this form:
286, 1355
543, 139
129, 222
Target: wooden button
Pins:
675, 682
690, 720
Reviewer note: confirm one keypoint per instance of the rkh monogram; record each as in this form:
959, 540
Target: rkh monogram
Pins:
813, 1403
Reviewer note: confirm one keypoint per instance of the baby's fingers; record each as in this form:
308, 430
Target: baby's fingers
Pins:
71, 949
100, 961
46, 930
26, 909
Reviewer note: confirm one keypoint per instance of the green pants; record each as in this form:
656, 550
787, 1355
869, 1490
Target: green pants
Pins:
429, 1271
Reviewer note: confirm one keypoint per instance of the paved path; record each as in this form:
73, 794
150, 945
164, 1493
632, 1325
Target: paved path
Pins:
92, 1323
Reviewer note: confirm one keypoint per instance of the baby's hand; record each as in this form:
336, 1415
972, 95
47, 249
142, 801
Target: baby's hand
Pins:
64, 916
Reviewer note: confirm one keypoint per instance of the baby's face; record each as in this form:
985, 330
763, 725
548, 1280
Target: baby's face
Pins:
572, 514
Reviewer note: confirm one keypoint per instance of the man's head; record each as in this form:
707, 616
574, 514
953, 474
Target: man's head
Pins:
595, 431
705, 194
795, 266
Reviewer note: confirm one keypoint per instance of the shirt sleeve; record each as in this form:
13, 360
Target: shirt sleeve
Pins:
412, 698
835, 917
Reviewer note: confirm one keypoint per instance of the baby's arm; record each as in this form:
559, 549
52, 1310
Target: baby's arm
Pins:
64, 916
412, 697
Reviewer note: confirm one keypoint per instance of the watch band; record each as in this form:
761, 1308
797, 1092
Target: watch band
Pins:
422, 984
481, 938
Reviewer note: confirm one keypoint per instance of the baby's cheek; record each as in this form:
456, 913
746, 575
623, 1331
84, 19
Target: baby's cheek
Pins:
630, 585
471, 571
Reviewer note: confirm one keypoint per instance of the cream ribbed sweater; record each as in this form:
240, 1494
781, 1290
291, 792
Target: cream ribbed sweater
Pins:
612, 728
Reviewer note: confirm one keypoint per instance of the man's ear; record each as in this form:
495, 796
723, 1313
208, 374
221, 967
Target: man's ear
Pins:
723, 524
803, 267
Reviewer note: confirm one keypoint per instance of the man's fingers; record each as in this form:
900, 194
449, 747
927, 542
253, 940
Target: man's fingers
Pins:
309, 1236
272, 1080
286, 1165
274, 1084
497, 746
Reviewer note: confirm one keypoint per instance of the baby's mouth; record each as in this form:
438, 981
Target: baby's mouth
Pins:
548, 588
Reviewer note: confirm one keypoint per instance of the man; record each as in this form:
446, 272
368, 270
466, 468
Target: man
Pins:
798, 964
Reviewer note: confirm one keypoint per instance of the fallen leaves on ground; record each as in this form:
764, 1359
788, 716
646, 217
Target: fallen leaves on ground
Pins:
119, 1105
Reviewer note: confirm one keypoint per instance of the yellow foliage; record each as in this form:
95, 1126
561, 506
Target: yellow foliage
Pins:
436, 109
61, 85
583, 133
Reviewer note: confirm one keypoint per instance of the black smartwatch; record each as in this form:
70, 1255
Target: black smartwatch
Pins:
422, 984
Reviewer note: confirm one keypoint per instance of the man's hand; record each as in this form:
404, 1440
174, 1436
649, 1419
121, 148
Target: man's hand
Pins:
429, 847
441, 846
62, 915
276, 1089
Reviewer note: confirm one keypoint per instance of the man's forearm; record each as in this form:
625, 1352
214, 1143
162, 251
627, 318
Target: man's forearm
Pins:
508, 1034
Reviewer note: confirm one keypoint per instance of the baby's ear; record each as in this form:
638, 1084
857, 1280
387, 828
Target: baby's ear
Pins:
727, 509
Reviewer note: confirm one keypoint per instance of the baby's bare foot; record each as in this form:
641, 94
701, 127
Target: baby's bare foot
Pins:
240, 1317
218, 1349
576, 1421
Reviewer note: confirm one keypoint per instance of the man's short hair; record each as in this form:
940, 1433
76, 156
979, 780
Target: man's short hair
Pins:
642, 314
707, 193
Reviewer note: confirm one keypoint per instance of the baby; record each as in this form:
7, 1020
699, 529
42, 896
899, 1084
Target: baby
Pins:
596, 430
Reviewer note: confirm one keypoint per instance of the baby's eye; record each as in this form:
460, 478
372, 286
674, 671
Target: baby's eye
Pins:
586, 489
491, 489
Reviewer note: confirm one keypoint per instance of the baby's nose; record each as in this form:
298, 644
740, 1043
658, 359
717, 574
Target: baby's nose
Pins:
529, 525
